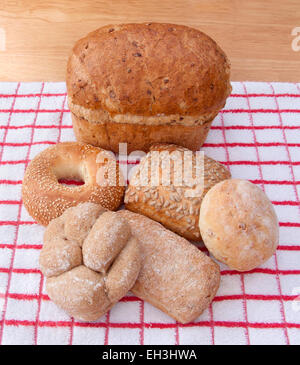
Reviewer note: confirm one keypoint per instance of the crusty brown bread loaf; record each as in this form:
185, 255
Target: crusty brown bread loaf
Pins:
90, 259
175, 277
238, 224
146, 83
169, 203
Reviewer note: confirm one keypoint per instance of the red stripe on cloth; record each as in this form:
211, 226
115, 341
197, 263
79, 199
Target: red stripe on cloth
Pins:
223, 272
21, 247
241, 144
225, 111
11, 182
254, 297
12, 202
285, 202
255, 181
31, 95
275, 182
19, 271
256, 127
252, 95
79, 183
255, 111
257, 144
25, 111
227, 160
264, 95
288, 248
14, 223
240, 162
36, 327
14, 162
256, 163
25, 144
221, 298
297, 198
262, 271
262, 325
4, 307
289, 224
216, 127
54, 126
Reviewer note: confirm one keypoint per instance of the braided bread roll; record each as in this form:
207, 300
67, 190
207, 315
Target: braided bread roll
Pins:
90, 259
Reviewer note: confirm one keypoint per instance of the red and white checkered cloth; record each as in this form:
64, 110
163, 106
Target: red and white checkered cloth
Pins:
257, 136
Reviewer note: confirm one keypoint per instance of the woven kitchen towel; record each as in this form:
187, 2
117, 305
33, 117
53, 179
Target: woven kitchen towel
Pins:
257, 136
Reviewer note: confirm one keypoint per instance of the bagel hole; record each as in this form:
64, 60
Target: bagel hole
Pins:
69, 175
71, 182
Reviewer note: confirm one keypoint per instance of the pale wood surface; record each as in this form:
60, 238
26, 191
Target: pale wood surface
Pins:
256, 34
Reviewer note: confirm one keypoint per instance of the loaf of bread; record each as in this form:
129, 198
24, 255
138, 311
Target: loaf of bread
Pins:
146, 83
238, 224
90, 259
175, 277
169, 202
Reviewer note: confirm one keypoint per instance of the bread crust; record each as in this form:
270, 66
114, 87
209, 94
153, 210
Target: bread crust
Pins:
168, 204
175, 277
238, 224
45, 198
138, 136
88, 275
175, 69
156, 76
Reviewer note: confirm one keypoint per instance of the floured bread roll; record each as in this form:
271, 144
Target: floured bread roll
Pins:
238, 224
176, 276
90, 259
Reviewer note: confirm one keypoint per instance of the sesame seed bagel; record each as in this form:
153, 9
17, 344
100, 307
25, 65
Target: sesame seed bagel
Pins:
45, 198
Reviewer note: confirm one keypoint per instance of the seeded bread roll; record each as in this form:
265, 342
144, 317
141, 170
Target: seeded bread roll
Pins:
146, 83
176, 277
174, 203
238, 224
87, 274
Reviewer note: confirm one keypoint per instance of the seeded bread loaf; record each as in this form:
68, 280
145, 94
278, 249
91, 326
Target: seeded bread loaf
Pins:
176, 277
174, 203
146, 83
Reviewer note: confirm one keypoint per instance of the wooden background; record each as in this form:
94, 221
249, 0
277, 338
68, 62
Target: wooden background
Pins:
255, 34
